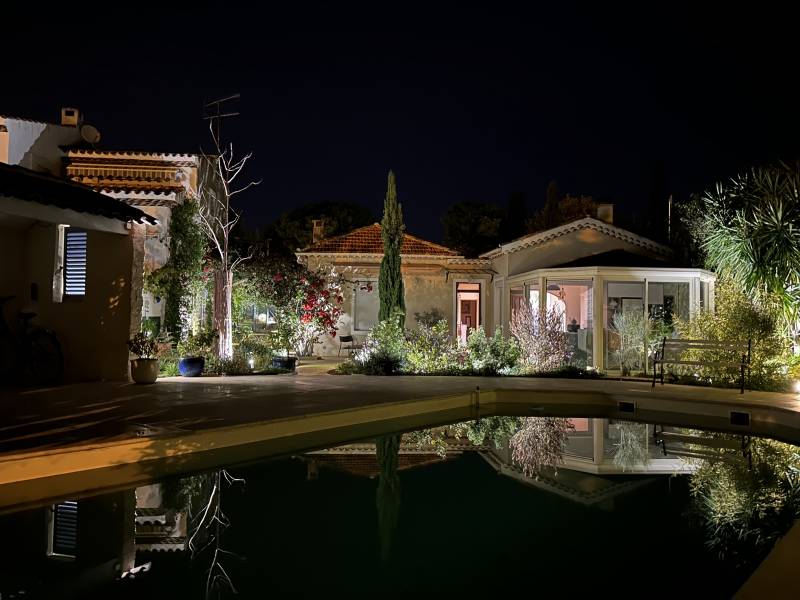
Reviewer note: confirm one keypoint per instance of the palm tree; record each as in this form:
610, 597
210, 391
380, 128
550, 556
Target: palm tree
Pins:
750, 231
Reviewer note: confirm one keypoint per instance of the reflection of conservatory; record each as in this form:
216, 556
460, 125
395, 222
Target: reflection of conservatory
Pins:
595, 443
589, 271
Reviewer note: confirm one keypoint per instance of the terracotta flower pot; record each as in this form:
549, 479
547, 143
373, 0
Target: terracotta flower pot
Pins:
144, 370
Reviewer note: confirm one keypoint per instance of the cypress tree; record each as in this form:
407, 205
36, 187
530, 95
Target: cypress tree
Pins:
390, 280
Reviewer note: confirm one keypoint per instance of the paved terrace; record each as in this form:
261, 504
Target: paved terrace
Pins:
71, 439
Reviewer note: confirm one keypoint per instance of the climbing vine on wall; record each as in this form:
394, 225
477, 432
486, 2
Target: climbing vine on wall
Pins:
174, 281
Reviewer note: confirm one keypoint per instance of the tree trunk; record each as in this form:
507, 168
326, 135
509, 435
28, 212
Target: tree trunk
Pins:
223, 285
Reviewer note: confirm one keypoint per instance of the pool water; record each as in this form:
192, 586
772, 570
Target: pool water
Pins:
309, 526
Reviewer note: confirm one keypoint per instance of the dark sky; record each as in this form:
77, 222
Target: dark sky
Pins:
463, 103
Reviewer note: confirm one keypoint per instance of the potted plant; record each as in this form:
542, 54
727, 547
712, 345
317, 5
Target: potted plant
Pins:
193, 352
145, 368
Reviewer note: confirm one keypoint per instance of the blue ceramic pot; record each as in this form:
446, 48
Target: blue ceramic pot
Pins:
284, 362
191, 366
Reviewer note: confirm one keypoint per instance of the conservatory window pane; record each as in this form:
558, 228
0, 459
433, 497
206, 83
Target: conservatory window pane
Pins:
622, 298
668, 301
573, 301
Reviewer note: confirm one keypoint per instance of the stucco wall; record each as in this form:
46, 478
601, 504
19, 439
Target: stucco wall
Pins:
35, 145
426, 288
93, 330
12, 269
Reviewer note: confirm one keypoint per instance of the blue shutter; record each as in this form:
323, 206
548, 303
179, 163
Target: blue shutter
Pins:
74, 263
65, 528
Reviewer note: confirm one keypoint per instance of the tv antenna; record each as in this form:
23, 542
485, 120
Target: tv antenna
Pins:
213, 111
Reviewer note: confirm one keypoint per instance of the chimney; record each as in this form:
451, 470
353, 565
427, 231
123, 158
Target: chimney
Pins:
605, 213
317, 230
70, 117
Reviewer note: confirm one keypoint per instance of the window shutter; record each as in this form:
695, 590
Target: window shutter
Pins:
74, 263
65, 528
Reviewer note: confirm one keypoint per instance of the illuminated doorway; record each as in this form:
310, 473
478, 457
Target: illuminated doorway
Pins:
468, 309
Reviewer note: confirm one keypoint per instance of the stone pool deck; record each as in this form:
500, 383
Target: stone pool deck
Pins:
70, 439
82, 439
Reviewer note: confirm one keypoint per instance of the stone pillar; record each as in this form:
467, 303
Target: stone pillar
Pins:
598, 323
137, 236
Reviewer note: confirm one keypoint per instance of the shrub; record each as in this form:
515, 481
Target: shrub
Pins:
236, 365
495, 430
348, 367
431, 349
542, 343
491, 356
384, 349
258, 349
630, 329
540, 443
168, 367
746, 509
631, 449
739, 316
199, 344
429, 318
433, 439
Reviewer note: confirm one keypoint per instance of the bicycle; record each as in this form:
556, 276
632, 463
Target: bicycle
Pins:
32, 354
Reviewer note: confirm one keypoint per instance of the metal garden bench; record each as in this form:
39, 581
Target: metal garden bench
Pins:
671, 351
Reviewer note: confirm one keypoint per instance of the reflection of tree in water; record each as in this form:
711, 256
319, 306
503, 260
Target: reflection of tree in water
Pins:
540, 443
208, 525
631, 449
387, 497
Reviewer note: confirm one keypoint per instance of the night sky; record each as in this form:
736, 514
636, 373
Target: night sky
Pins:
463, 103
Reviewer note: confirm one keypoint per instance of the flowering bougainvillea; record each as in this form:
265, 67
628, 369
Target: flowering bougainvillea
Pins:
307, 304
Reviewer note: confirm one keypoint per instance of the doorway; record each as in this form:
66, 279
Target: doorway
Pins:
468, 307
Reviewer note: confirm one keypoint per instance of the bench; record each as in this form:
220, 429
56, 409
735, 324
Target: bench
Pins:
671, 352
352, 347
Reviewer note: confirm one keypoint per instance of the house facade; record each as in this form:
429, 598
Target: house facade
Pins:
73, 257
589, 270
155, 183
436, 279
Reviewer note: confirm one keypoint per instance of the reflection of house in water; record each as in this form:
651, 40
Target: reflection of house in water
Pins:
159, 528
66, 549
361, 460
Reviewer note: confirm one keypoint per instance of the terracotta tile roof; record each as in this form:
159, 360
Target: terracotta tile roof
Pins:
366, 465
367, 240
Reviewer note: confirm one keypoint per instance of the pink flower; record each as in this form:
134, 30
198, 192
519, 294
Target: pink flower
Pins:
277, 277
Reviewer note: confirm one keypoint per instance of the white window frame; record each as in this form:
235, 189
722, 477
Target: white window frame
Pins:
356, 285
51, 530
481, 301
65, 294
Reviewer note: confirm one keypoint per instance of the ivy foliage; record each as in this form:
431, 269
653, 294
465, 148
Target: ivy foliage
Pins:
175, 280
